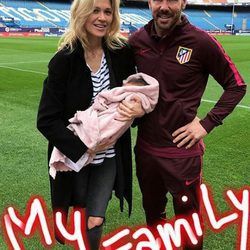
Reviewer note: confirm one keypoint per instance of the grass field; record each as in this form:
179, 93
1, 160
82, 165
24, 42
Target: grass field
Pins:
23, 66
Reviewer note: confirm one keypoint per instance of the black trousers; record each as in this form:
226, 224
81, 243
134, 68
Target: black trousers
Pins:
93, 194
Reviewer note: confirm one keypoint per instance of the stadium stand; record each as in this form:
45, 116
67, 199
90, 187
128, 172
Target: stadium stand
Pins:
204, 17
36, 13
8, 22
209, 15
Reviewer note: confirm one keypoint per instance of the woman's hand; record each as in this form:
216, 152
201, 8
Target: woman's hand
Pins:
102, 146
61, 167
130, 109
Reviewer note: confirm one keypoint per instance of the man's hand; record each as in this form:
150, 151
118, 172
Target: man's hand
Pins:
130, 110
189, 134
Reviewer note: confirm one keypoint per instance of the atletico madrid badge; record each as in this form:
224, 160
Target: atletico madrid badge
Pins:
183, 55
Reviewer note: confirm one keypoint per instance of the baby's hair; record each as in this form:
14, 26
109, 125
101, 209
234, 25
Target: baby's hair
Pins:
137, 82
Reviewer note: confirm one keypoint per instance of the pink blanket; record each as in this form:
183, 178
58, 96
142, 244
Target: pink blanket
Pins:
99, 122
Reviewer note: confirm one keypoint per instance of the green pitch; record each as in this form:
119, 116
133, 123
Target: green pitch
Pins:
23, 66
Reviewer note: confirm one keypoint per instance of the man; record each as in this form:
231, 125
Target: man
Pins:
169, 146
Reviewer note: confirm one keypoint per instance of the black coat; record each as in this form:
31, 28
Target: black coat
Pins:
69, 88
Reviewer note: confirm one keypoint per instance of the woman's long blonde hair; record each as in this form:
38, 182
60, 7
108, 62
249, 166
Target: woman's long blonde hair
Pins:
80, 11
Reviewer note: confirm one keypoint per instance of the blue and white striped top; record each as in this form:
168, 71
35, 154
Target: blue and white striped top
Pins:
101, 81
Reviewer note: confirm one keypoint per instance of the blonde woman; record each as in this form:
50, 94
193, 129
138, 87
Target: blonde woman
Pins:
92, 56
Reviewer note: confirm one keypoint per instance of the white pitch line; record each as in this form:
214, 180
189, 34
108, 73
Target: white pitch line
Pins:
26, 62
239, 105
24, 70
42, 73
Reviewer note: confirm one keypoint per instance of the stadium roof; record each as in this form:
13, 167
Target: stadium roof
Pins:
206, 2
219, 2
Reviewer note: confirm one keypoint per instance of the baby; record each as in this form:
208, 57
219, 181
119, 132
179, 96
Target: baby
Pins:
100, 122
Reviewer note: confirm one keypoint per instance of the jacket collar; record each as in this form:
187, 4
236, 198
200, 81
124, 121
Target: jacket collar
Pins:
110, 66
80, 51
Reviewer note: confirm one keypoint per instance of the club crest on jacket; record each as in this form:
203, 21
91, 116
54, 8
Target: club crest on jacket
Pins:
183, 54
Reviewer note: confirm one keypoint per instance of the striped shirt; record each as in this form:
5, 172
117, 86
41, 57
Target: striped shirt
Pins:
101, 81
